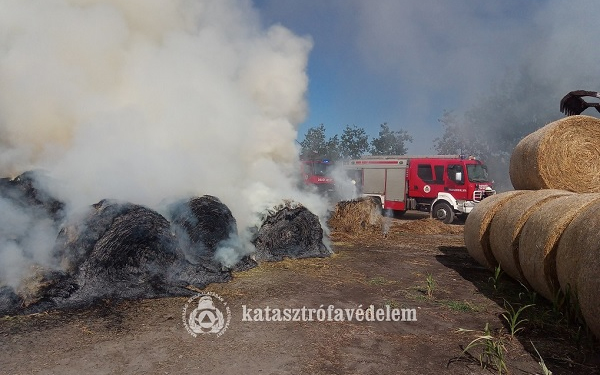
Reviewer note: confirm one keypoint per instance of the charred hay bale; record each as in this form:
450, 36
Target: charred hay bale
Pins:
356, 215
477, 227
580, 236
43, 284
540, 236
564, 154
123, 250
588, 284
204, 221
27, 190
201, 224
29, 218
137, 243
290, 230
10, 302
505, 228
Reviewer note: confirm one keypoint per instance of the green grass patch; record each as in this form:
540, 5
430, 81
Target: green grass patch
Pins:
379, 280
462, 306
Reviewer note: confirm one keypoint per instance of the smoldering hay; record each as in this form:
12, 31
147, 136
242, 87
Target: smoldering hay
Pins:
564, 154
147, 102
119, 250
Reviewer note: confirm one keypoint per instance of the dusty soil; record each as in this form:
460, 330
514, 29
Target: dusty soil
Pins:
149, 337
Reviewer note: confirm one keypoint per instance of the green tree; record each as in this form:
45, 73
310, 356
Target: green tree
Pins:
333, 148
314, 143
316, 146
390, 142
354, 143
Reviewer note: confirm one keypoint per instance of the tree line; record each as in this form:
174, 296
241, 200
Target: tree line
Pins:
353, 143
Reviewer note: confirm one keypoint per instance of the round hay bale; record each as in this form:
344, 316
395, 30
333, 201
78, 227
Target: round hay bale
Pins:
588, 284
505, 228
201, 225
477, 234
540, 236
581, 235
356, 215
290, 231
564, 154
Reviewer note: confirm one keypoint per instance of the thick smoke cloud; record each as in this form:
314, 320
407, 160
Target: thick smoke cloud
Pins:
404, 62
152, 100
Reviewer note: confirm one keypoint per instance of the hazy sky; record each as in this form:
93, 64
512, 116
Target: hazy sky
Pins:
404, 62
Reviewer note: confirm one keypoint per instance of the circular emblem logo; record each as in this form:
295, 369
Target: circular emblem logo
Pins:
427, 188
206, 313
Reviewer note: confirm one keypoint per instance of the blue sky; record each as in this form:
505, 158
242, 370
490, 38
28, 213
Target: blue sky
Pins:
405, 62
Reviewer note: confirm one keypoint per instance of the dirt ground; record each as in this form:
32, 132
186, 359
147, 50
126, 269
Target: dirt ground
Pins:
149, 337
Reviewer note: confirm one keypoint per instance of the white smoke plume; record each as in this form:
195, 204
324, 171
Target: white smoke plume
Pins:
152, 100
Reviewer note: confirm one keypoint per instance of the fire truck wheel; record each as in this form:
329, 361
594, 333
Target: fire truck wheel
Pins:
443, 212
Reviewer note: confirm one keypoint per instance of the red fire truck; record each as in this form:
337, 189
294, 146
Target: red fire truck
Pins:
318, 173
445, 185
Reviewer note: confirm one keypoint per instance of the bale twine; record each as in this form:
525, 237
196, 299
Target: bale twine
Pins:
477, 227
540, 236
505, 228
588, 284
564, 154
356, 215
581, 234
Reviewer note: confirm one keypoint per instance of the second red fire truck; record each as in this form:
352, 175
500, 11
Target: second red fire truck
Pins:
445, 185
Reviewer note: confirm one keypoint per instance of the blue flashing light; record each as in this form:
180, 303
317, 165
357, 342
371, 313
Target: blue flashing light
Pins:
325, 161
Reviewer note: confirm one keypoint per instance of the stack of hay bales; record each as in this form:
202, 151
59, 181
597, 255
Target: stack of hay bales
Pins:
545, 233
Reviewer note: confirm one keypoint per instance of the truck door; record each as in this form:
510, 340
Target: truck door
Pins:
455, 183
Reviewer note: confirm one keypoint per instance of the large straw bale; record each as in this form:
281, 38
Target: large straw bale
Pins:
564, 154
588, 283
506, 226
540, 236
356, 215
477, 234
581, 234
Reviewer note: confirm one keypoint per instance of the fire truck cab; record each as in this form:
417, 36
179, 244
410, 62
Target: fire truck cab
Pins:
318, 173
444, 185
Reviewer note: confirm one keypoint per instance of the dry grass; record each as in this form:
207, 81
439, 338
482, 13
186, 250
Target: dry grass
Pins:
564, 154
427, 226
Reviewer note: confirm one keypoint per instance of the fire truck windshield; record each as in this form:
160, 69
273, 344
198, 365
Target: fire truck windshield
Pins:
477, 173
322, 169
